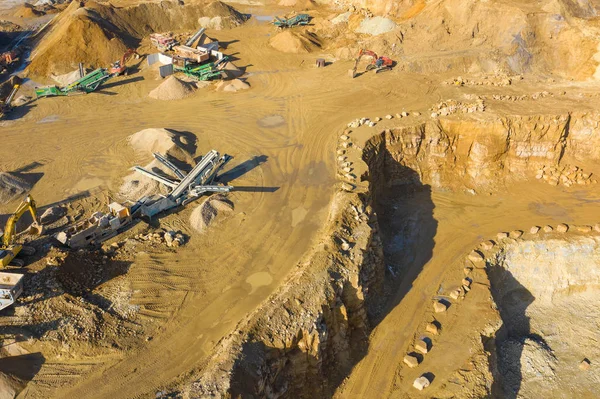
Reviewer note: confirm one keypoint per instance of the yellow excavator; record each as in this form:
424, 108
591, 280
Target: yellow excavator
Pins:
8, 248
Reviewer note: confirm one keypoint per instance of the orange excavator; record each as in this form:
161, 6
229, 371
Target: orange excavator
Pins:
379, 64
119, 67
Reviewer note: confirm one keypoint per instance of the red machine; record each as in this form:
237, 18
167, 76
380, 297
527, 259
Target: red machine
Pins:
163, 42
379, 64
119, 67
8, 58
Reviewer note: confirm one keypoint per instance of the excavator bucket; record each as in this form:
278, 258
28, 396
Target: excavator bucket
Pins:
35, 229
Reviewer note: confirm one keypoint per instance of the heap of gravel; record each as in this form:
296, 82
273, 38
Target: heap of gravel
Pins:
376, 26
173, 89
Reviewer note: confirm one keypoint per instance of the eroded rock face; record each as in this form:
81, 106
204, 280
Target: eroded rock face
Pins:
483, 153
547, 294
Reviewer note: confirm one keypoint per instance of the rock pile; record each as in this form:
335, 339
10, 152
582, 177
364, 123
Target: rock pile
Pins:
170, 238
209, 210
498, 80
450, 107
566, 175
534, 96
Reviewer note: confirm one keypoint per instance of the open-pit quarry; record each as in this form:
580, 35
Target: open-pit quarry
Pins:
428, 230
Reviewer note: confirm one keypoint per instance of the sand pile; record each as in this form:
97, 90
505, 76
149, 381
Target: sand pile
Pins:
209, 210
97, 34
66, 78
219, 16
341, 18
295, 42
232, 85
12, 187
148, 141
160, 140
27, 11
376, 26
172, 89
231, 71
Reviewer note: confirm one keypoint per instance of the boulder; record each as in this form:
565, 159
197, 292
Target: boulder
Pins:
562, 228
475, 256
432, 328
439, 307
411, 361
422, 346
487, 245
421, 383
501, 236
455, 294
584, 229
516, 234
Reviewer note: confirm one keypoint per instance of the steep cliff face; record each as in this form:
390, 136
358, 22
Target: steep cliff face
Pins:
547, 292
482, 154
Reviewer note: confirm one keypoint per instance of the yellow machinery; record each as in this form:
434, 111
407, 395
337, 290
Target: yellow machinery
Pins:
8, 248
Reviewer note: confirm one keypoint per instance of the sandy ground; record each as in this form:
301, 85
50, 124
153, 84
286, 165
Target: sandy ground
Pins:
463, 221
196, 292
282, 133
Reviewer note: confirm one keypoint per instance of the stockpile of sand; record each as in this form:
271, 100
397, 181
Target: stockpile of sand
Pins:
162, 141
295, 42
12, 187
231, 71
209, 210
376, 26
97, 34
27, 11
172, 89
232, 85
79, 34
147, 141
66, 78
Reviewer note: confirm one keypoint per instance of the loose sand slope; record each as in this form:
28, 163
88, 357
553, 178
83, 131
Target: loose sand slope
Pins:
99, 33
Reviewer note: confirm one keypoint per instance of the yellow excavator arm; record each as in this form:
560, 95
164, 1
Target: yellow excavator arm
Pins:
9, 232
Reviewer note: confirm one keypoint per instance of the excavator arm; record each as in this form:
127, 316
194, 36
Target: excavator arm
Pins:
362, 53
9, 232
